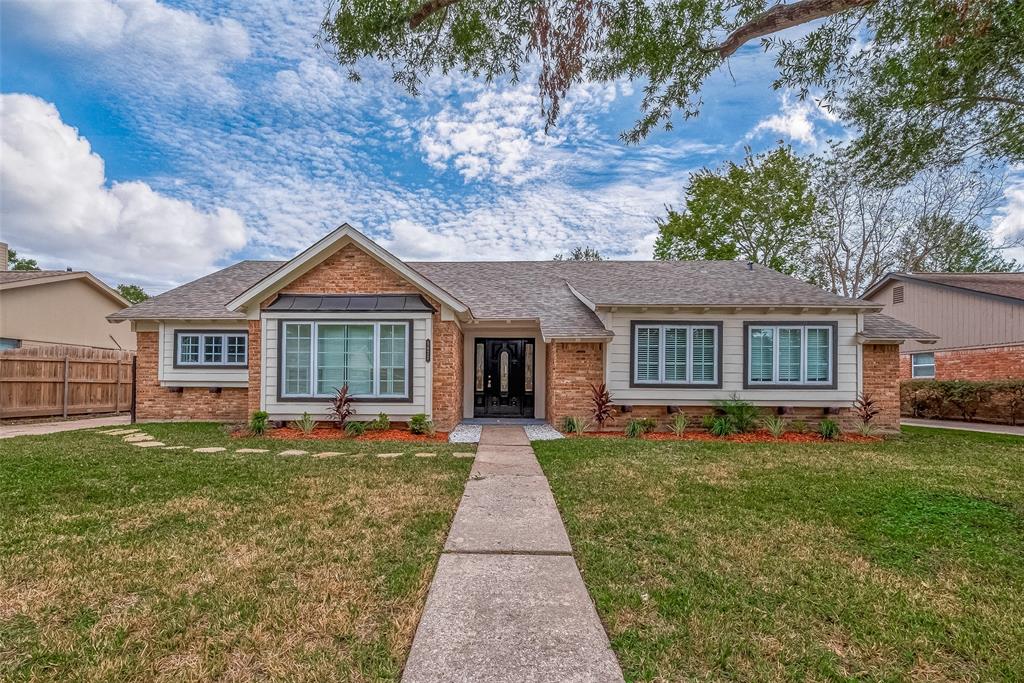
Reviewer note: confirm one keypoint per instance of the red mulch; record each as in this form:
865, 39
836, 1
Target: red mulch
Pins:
760, 436
333, 434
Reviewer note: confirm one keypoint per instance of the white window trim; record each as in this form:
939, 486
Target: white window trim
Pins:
203, 336
313, 353
661, 354
775, 356
914, 365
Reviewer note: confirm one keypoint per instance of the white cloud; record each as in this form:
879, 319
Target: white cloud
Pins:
141, 44
797, 120
56, 206
1008, 223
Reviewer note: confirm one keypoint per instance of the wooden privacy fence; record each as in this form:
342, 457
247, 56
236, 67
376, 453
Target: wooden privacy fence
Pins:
64, 380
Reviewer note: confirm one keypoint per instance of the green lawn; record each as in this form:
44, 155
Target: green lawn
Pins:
119, 562
901, 560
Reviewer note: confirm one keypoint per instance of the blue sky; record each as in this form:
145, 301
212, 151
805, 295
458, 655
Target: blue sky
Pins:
154, 142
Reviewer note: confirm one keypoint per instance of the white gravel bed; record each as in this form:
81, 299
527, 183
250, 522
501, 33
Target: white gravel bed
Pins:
544, 432
464, 433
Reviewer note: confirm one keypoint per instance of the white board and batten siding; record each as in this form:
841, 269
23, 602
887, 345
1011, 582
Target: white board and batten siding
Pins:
422, 329
198, 376
618, 366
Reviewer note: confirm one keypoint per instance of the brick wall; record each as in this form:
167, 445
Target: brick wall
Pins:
881, 382
571, 368
994, 362
447, 361
153, 402
255, 364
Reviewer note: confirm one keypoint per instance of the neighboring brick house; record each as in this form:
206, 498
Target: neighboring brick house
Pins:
505, 339
978, 317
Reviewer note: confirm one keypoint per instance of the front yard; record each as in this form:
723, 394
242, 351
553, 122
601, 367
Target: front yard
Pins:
901, 560
119, 562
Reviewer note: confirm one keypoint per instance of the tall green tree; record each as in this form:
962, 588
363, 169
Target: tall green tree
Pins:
761, 210
15, 263
133, 293
923, 82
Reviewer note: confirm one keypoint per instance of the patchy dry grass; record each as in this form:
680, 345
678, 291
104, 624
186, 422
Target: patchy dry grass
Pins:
121, 563
901, 560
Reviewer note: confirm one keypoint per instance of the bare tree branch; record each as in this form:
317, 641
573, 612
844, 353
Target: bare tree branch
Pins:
781, 17
424, 11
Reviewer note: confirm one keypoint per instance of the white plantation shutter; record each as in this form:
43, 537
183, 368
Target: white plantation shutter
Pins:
675, 354
703, 354
819, 354
648, 340
789, 354
762, 341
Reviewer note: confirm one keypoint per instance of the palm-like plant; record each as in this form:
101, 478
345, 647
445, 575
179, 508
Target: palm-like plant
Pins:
602, 401
341, 406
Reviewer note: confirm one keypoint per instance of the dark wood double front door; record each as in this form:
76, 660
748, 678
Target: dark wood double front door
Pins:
503, 378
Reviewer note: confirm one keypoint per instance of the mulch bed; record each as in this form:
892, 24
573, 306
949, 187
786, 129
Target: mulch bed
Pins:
333, 434
760, 436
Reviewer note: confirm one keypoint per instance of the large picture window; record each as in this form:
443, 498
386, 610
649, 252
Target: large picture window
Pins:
211, 348
675, 353
318, 357
785, 355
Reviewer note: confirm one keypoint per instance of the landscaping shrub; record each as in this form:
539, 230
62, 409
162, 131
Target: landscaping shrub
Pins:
707, 421
419, 424
866, 408
573, 425
798, 426
775, 425
380, 423
829, 429
722, 425
355, 428
639, 426
305, 424
679, 423
341, 406
602, 401
991, 401
743, 415
258, 423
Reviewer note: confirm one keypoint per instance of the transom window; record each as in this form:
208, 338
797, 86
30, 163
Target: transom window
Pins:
212, 348
789, 354
667, 353
320, 357
922, 365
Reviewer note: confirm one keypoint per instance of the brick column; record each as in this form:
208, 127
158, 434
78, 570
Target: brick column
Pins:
571, 368
255, 364
447, 368
882, 382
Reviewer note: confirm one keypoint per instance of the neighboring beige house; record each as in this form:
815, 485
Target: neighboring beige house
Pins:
978, 317
505, 340
53, 307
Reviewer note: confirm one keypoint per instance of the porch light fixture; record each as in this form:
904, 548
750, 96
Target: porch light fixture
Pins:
427, 343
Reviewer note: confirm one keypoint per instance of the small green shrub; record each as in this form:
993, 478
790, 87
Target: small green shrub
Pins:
722, 426
419, 424
743, 415
639, 426
355, 428
573, 425
258, 423
775, 425
679, 423
306, 424
829, 429
707, 421
866, 429
380, 423
798, 427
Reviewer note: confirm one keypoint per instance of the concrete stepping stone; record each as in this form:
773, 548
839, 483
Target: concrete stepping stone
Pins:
491, 618
425, 455
175, 448
508, 514
388, 455
464, 454
131, 438
147, 444
117, 432
209, 449
326, 454
294, 452
252, 450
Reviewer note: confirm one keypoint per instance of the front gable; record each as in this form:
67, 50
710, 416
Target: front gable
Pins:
343, 262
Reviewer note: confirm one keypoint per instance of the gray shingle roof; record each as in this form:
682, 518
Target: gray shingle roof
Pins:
879, 326
7, 276
203, 298
537, 290
1001, 284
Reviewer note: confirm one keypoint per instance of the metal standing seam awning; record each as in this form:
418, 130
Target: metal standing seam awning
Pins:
354, 303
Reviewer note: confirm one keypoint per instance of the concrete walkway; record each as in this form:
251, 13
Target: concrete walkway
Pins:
507, 602
966, 426
37, 428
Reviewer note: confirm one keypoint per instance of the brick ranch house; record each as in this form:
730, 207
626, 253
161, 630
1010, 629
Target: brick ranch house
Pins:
978, 317
506, 339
